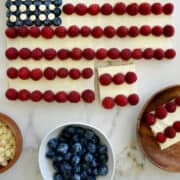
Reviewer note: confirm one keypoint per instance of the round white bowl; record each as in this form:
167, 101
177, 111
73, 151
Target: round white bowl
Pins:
45, 164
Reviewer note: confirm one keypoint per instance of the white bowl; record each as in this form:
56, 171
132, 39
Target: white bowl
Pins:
45, 164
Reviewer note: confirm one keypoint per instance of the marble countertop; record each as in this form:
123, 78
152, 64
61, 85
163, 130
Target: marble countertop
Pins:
35, 120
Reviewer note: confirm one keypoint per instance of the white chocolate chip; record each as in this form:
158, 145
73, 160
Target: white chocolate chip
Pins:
42, 17
23, 17
42, 7
51, 7
22, 8
32, 7
51, 16
13, 8
12, 18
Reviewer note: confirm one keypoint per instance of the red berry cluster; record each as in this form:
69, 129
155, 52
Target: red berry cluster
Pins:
49, 73
119, 9
87, 96
96, 32
119, 78
120, 100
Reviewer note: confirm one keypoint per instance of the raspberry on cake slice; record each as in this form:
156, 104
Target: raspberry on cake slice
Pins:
117, 85
164, 122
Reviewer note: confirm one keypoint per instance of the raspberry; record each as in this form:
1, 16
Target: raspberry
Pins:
161, 112
145, 8
132, 9
36, 95
113, 53
62, 72
133, 31
88, 96
11, 32
121, 100
106, 9
168, 8
157, 30
63, 54
24, 53
170, 132
149, 119
24, 73
88, 53
47, 32
11, 53
23, 31
81, 9
168, 31
145, 30
177, 100
73, 31
122, 31
12, 73
109, 31
171, 107
23, 95
76, 54
75, 73
60, 31
108, 103
148, 53
176, 126
34, 31
125, 54
48, 96
61, 96
74, 97
36, 74
87, 73
156, 8
11, 94
159, 53
94, 9
170, 53
68, 8
137, 54
85, 31
120, 8
50, 54
101, 53
37, 53
97, 32
131, 77
118, 78
50, 73
105, 79
133, 99
160, 137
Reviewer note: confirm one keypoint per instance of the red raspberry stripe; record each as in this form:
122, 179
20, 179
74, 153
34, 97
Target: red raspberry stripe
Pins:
36, 74
88, 96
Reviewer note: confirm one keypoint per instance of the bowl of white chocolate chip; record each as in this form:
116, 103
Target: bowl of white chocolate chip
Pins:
10, 142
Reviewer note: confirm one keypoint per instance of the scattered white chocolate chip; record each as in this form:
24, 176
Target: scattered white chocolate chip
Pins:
23, 16
51, 7
32, 7
51, 16
12, 18
42, 7
32, 17
13, 8
22, 8
42, 17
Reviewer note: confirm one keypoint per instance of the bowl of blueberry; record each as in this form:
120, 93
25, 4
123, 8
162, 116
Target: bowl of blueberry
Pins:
76, 152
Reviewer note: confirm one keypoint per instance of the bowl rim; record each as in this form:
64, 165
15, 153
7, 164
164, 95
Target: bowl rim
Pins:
12, 125
80, 124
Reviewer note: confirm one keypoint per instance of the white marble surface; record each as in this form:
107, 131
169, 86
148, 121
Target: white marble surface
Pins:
35, 120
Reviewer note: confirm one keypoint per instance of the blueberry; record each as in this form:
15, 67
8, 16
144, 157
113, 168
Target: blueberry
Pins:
95, 140
52, 143
84, 175
19, 23
38, 22
8, 4
58, 158
84, 166
102, 149
70, 130
8, 13
89, 134
77, 148
47, 22
56, 165
10, 24
80, 131
103, 170
28, 3
83, 141
57, 12
88, 157
61, 139
36, 13
58, 2
67, 156
37, 3
75, 160
76, 177
57, 21
94, 163
50, 154
91, 148
57, 177
103, 158
95, 172
66, 167
76, 138
77, 169
89, 171
47, 2
91, 178
62, 148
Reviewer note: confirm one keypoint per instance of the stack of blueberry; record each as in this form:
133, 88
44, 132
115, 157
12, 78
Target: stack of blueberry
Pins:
33, 12
78, 154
